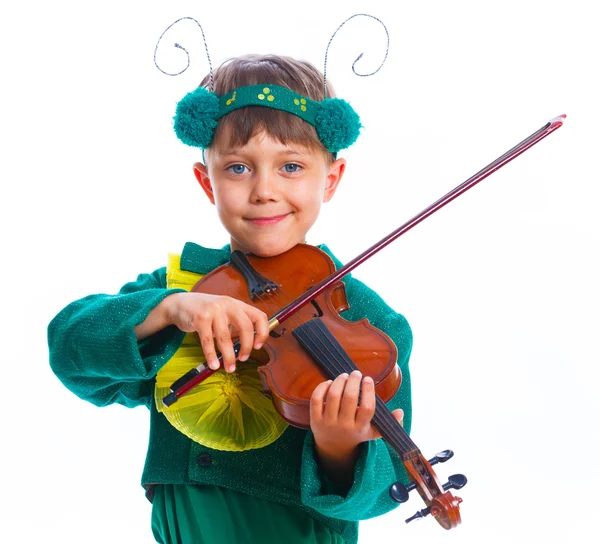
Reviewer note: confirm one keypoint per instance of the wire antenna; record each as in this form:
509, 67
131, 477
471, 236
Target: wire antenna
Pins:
212, 86
387, 47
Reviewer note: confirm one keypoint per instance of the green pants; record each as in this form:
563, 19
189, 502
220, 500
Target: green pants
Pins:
188, 514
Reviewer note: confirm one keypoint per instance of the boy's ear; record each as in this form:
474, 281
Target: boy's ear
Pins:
201, 173
336, 172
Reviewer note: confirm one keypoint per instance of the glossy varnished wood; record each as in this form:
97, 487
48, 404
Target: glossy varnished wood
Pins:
289, 374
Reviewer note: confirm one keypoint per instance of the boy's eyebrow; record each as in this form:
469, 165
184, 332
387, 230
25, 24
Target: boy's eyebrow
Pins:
238, 151
292, 152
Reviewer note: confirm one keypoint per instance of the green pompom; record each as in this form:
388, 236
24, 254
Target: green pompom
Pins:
196, 117
337, 124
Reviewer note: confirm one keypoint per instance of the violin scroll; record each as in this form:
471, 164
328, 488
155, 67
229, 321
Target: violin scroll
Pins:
441, 504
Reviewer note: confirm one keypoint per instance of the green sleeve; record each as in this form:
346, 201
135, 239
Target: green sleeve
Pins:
94, 351
378, 466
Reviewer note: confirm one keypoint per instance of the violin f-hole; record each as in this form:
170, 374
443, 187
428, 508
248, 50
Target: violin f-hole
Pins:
317, 308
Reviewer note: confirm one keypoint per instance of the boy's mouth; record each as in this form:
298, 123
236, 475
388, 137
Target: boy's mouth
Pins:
263, 221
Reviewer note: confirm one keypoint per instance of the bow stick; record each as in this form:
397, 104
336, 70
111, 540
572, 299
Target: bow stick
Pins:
196, 375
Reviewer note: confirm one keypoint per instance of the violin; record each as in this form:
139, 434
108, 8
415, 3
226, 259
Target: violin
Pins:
309, 342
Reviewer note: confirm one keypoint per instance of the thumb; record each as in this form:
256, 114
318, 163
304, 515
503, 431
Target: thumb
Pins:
399, 415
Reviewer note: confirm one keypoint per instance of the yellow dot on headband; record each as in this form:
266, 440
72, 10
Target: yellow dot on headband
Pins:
266, 90
270, 98
303, 101
296, 101
232, 99
303, 108
261, 96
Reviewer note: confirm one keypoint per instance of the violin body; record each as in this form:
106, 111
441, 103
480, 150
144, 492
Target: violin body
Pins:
289, 374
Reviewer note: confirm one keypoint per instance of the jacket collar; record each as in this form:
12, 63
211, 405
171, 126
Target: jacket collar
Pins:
201, 260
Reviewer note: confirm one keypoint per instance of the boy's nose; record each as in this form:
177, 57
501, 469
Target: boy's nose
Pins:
265, 188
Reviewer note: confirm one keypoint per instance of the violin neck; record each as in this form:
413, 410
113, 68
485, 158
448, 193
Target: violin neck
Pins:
393, 432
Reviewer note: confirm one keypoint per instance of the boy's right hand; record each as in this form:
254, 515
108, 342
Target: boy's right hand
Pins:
218, 319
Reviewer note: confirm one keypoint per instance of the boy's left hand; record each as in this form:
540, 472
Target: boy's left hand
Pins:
339, 423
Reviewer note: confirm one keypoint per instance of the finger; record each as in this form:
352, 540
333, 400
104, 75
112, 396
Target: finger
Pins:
224, 342
334, 397
203, 326
366, 410
245, 331
349, 402
261, 326
317, 401
399, 415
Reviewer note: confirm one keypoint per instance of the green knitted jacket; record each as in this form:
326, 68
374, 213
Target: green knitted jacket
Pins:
94, 352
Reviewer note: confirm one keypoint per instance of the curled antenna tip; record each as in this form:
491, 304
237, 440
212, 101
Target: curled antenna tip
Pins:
359, 56
184, 49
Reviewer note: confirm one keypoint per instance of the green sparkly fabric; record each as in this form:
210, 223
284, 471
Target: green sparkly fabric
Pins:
94, 352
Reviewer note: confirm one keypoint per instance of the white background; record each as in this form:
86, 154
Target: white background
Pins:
500, 287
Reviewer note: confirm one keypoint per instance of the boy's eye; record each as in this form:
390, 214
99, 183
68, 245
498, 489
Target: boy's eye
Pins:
291, 168
237, 168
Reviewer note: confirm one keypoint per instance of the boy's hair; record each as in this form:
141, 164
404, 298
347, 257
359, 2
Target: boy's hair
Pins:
237, 127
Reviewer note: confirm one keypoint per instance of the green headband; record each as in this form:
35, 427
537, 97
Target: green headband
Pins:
199, 111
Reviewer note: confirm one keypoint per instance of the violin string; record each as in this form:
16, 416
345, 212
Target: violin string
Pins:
384, 418
284, 297
390, 425
387, 426
393, 428
273, 307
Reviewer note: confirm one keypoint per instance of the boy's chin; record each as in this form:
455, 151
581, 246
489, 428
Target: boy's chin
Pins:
265, 250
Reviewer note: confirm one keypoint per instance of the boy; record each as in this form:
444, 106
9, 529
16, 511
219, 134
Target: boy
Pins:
267, 172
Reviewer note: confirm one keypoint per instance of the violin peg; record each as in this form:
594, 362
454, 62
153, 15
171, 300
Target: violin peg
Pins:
419, 515
441, 457
456, 481
399, 491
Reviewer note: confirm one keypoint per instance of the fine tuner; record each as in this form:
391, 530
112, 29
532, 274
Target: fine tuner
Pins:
399, 492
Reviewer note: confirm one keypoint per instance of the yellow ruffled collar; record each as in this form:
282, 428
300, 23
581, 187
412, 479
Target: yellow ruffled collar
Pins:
227, 411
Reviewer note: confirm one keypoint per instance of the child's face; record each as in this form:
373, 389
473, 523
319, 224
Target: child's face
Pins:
268, 195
